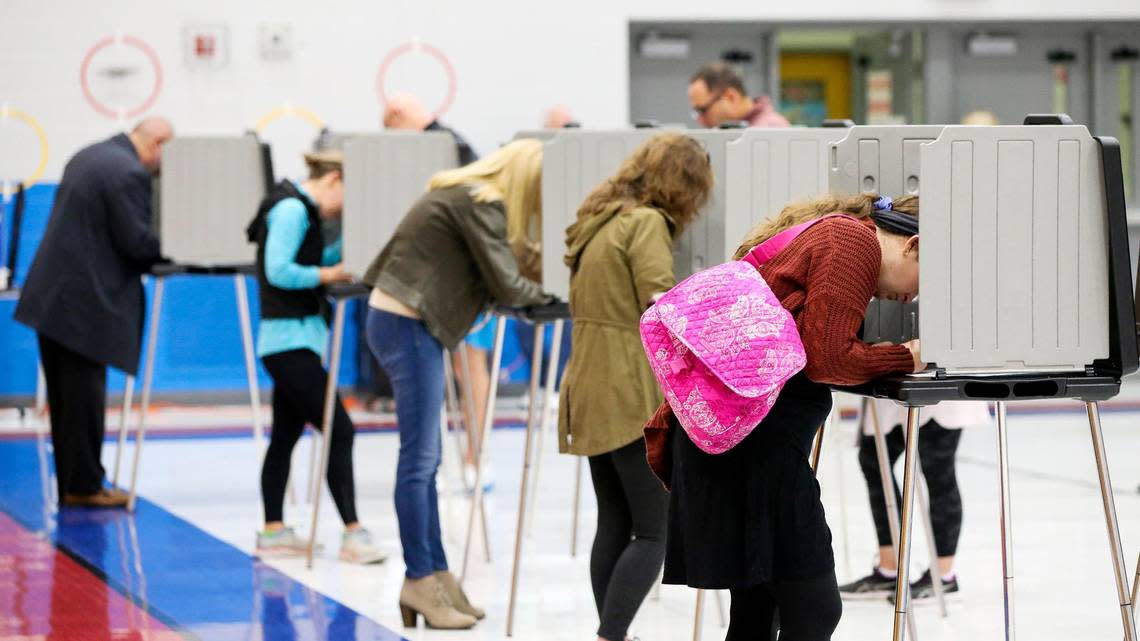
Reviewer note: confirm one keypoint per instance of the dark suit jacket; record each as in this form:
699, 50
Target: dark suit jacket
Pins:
84, 289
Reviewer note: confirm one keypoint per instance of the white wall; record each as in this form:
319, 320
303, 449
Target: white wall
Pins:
513, 58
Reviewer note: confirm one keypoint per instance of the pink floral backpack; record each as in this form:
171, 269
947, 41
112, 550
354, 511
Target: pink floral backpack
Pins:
722, 346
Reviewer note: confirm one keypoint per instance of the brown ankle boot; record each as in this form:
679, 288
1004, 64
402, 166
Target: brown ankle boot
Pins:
426, 597
458, 597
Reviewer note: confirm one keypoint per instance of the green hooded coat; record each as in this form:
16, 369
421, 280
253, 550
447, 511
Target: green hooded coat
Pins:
618, 263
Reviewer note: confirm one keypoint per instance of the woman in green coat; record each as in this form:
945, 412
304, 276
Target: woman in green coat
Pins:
620, 253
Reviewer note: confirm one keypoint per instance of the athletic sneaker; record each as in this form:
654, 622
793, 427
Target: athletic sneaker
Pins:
356, 546
923, 589
283, 542
874, 585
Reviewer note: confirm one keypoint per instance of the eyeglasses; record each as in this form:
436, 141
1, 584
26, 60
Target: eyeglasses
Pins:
698, 112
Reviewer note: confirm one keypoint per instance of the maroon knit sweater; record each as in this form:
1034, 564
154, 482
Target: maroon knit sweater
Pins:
825, 279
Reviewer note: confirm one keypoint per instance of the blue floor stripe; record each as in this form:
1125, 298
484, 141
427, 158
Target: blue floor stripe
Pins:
206, 589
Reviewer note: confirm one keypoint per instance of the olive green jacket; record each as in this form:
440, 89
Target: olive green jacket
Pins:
448, 260
618, 263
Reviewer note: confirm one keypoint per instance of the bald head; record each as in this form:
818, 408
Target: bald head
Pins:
405, 111
557, 118
148, 137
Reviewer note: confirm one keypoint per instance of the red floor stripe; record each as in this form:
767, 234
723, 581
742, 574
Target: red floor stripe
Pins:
46, 595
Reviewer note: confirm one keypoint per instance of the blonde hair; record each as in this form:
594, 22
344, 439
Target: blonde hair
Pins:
321, 163
513, 176
670, 172
856, 206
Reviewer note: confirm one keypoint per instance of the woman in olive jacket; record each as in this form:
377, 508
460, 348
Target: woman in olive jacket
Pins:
620, 253
451, 256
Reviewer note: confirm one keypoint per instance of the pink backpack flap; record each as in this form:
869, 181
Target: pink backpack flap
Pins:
721, 347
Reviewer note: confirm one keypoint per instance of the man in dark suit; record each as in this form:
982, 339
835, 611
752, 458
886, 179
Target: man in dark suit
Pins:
84, 296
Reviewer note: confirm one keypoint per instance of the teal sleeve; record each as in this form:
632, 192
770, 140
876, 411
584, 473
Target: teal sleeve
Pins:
288, 221
331, 255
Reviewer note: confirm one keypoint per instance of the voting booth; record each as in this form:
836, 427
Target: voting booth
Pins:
1026, 294
769, 168
573, 163
883, 159
209, 189
384, 175
704, 243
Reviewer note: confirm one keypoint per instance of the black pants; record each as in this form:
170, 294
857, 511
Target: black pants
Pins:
77, 396
629, 546
808, 611
299, 397
937, 448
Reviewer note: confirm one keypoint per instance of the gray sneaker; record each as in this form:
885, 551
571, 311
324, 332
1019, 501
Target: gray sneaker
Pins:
356, 546
283, 542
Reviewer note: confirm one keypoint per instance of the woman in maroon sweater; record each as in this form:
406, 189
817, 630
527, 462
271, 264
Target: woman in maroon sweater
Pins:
750, 520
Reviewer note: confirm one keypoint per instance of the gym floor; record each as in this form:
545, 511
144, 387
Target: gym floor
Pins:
182, 566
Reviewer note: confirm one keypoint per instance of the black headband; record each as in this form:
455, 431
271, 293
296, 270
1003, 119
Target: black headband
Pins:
895, 222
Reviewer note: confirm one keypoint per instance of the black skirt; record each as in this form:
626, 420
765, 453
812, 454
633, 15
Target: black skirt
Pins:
752, 514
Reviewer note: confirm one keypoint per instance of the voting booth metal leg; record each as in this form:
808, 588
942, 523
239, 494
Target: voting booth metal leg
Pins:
817, 447
481, 452
1136, 587
41, 388
578, 508
250, 357
327, 423
698, 619
1127, 616
452, 409
124, 421
474, 440
532, 419
148, 381
545, 424
1006, 523
836, 436
902, 583
886, 478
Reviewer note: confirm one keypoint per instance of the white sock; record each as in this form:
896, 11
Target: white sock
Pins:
946, 578
890, 574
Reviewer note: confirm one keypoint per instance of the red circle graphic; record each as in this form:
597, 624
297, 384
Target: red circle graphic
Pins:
147, 51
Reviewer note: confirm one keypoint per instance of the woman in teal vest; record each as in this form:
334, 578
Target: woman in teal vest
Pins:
293, 266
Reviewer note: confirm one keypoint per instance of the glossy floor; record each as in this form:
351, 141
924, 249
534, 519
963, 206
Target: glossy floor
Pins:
166, 571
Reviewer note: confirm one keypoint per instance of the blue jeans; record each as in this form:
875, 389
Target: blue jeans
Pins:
413, 360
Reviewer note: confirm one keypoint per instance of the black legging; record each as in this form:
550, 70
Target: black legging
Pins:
299, 397
629, 546
937, 448
808, 611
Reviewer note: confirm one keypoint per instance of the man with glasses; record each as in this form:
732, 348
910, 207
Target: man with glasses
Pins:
717, 96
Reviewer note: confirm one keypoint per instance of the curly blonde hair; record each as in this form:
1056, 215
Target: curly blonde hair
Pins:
670, 172
854, 205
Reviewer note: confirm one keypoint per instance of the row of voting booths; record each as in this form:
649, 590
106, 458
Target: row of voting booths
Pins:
1026, 287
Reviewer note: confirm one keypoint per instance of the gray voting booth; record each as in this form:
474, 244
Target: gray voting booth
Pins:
704, 243
1027, 294
1025, 204
210, 189
384, 174
768, 168
573, 163
884, 159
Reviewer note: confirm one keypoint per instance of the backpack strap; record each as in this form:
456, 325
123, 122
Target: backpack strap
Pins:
768, 249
